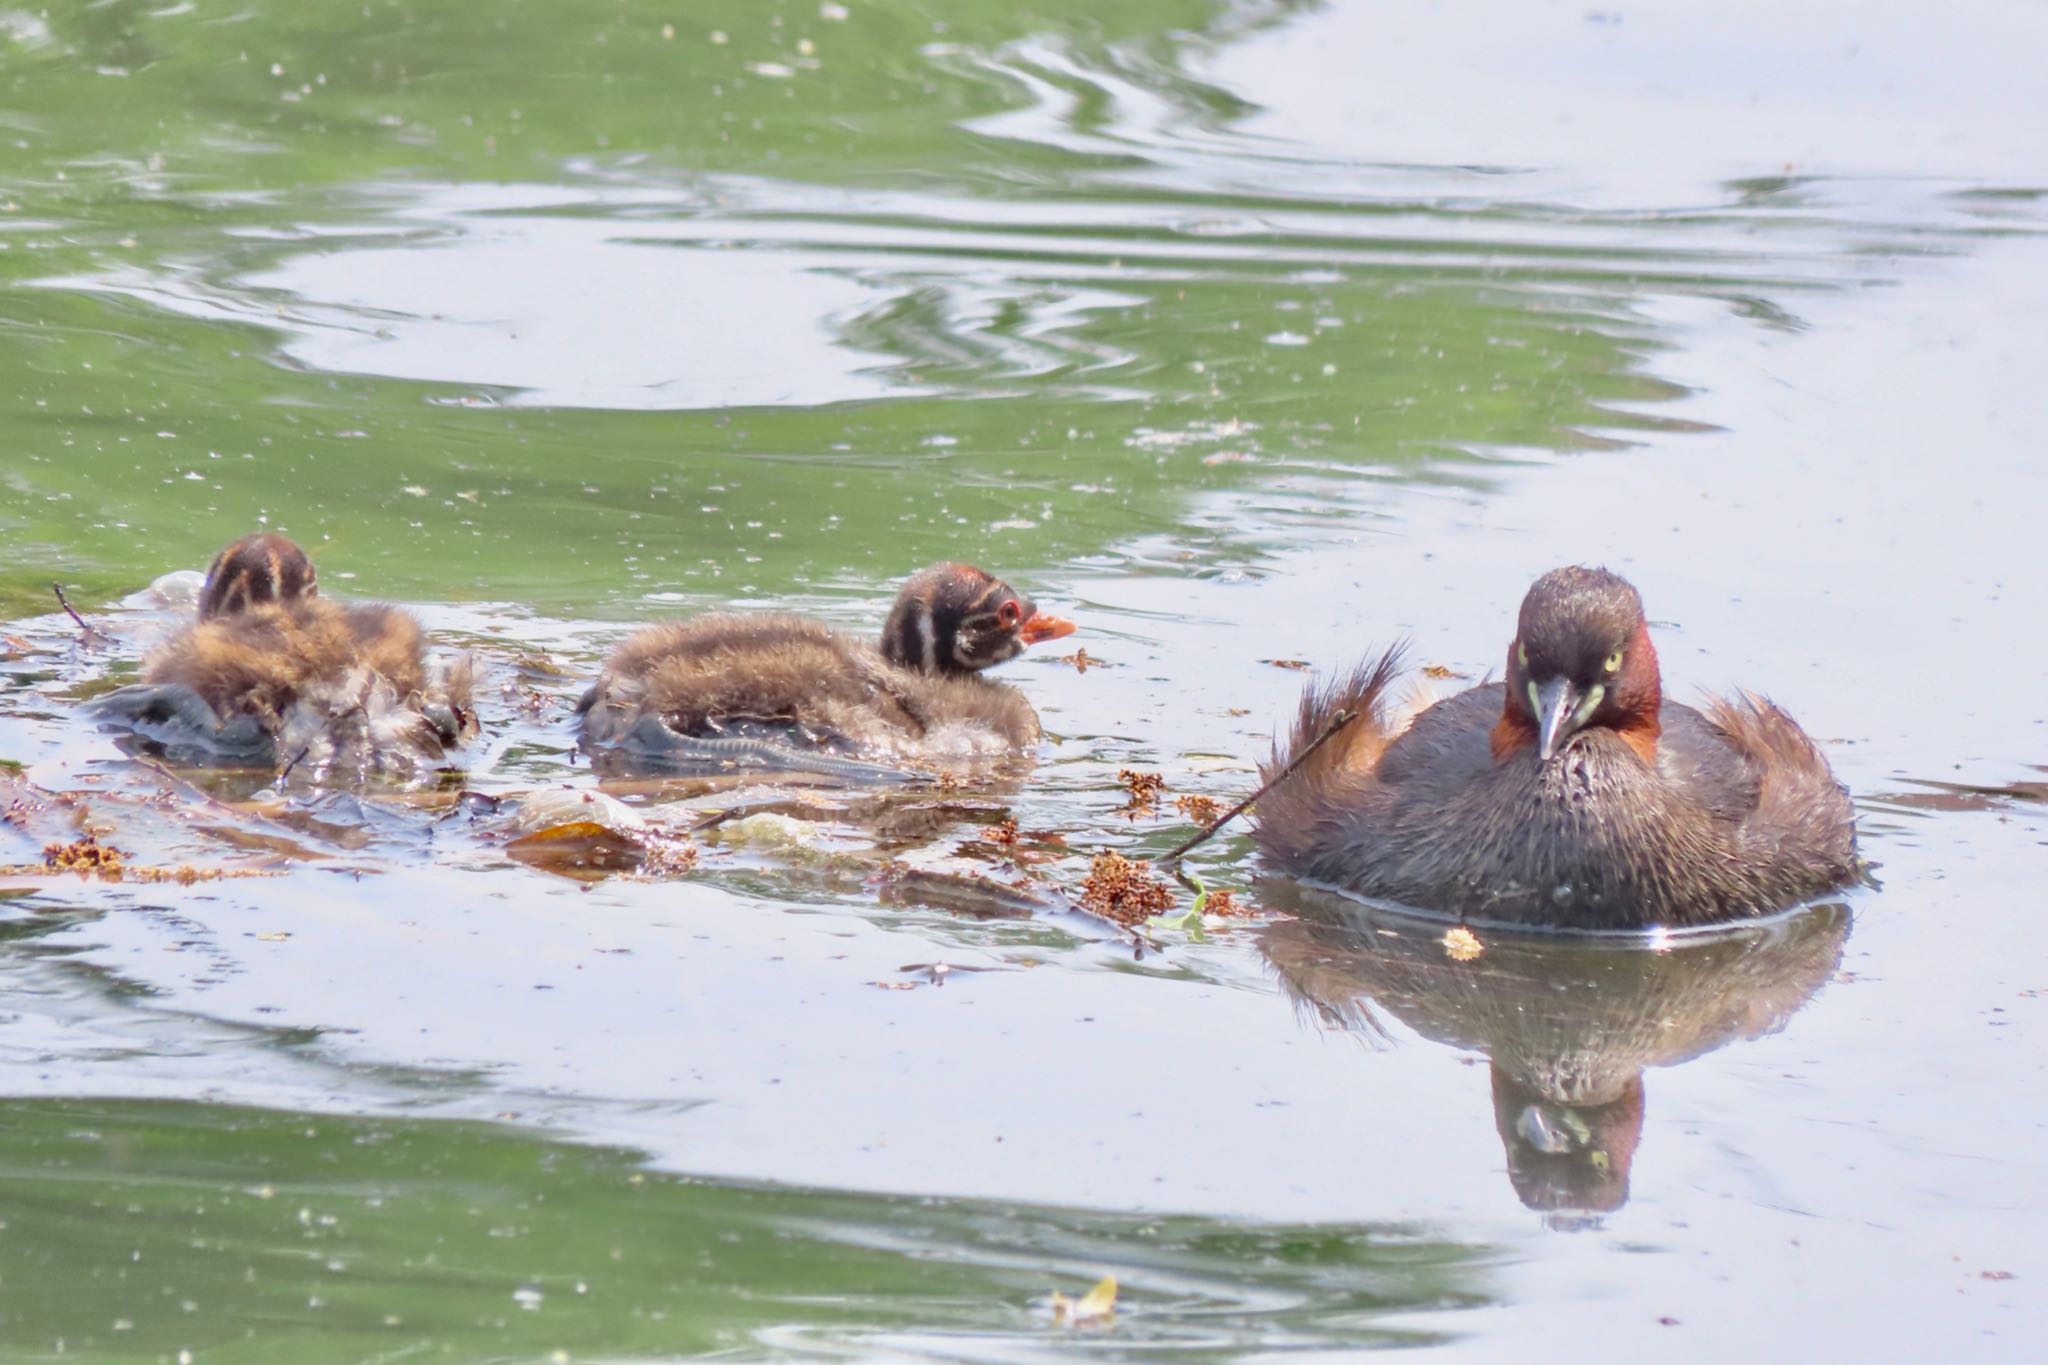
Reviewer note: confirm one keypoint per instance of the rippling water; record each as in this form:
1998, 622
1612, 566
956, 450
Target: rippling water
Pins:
1243, 333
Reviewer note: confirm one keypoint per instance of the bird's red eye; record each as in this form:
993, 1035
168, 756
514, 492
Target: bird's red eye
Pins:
1010, 614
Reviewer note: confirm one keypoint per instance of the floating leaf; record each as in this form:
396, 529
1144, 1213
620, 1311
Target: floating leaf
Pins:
1462, 945
580, 849
1097, 1307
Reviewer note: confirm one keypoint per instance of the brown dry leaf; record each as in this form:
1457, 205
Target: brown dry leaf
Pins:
1200, 810
1441, 673
1462, 945
581, 850
1301, 665
1081, 659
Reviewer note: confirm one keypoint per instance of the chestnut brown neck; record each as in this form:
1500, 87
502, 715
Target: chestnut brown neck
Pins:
1512, 732
1639, 695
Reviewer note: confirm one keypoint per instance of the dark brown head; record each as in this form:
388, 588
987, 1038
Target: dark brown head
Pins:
953, 618
1581, 660
255, 570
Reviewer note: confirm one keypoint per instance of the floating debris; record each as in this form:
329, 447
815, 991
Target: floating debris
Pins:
87, 857
586, 851
1223, 903
1095, 1308
1199, 810
1462, 945
1143, 789
771, 832
1299, 665
546, 807
535, 664
963, 893
582, 850
1123, 890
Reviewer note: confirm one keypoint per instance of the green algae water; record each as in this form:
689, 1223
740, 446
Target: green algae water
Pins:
1252, 336
506, 305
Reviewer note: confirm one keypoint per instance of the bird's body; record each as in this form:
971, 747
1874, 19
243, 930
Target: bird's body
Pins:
1612, 809
729, 687
270, 665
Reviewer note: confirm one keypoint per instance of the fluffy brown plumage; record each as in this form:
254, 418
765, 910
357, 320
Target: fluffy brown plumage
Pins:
254, 571
1572, 795
270, 663
778, 684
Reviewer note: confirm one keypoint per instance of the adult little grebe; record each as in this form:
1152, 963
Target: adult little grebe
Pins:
271, 664
1573, 795
779, 690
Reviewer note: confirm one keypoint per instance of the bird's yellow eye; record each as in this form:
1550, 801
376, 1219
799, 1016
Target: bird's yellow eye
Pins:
1613, 664
1521, 654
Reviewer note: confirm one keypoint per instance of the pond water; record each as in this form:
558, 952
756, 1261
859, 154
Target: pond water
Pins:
1239, 333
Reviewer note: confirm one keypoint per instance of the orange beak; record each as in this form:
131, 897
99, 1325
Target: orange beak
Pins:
1041, 627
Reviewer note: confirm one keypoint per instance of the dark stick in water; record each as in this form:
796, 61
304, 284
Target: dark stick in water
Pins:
1337, 722
92, 632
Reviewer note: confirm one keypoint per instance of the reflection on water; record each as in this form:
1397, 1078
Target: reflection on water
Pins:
1569, 1022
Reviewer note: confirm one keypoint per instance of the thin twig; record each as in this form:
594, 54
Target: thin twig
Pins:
286, 775
1337, 722
715, 819
92, 632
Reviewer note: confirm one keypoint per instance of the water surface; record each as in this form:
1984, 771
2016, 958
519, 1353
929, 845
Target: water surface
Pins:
1237, 332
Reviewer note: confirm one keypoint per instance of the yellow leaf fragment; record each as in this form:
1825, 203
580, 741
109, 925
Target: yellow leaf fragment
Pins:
1093, 1308
1462, 945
